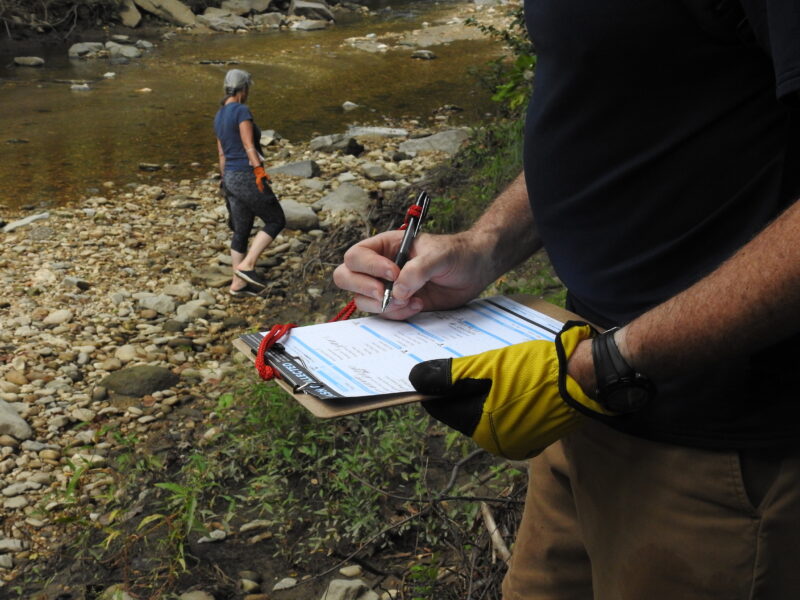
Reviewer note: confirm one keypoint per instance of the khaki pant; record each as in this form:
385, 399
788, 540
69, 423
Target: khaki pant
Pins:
614, 517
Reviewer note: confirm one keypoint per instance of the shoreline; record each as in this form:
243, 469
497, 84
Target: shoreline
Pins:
136, 278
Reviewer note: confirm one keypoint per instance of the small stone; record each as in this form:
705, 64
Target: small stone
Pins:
84, 415
196, 595
9, 441
285, 584
11, 545
351, 571
248, 585
16, 503
50, 456
6, 561
28, 61
257, 524
58, 317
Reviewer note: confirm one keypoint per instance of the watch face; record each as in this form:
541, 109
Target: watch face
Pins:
628, 397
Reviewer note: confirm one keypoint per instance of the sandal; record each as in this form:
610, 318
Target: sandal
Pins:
252, 278
247, 290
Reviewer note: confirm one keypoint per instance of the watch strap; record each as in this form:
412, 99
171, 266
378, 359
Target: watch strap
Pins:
609, 365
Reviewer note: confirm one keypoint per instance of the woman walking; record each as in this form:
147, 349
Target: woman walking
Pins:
245, 184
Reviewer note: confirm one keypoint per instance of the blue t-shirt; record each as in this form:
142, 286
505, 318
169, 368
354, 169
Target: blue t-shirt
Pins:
226, 126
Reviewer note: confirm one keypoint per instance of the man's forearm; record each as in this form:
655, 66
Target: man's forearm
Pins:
508, 228
749, 302
752, 300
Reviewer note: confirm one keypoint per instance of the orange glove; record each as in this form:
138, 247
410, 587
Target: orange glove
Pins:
262, 179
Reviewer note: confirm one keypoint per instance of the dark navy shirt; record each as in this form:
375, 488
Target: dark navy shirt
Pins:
226, 127
657, 144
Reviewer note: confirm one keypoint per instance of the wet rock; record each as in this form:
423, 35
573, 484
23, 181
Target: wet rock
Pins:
337, 142
308, 25
423, 54
28, 61
140, 380
122, 50
85, 49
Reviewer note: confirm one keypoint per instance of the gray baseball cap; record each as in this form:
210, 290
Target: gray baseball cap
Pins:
236, 79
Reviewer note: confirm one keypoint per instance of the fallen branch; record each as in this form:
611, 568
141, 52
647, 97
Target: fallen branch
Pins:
494, 533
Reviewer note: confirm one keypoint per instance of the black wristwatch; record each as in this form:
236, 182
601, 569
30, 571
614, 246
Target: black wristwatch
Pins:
620, 388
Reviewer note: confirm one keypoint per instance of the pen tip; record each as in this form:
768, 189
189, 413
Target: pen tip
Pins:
386, 298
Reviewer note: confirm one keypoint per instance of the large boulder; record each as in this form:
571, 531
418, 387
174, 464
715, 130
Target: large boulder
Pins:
129, 14
174, 11
316, 11
140, 380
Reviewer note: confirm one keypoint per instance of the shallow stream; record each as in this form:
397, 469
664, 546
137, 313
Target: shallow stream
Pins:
58, 145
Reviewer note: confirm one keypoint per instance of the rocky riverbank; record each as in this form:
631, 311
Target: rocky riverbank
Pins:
117, 322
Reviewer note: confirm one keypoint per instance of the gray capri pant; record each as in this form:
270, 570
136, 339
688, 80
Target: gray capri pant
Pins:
245, 203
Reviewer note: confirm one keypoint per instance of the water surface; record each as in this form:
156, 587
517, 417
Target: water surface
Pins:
58, 145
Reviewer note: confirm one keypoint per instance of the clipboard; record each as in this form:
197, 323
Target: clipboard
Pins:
295, 381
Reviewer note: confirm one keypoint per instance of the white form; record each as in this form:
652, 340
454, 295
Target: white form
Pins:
371, 355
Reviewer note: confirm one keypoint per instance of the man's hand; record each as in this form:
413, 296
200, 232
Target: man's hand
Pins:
514, 401
262, 179
443, 271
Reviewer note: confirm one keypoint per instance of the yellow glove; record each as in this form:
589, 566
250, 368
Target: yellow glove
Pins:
514, 401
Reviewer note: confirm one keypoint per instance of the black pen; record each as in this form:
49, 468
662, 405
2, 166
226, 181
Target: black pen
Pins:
414, 224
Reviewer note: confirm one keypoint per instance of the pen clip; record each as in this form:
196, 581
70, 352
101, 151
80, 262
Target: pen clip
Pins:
423, 200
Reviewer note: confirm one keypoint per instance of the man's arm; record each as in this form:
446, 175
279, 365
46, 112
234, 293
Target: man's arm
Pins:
444, 271
749, 302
